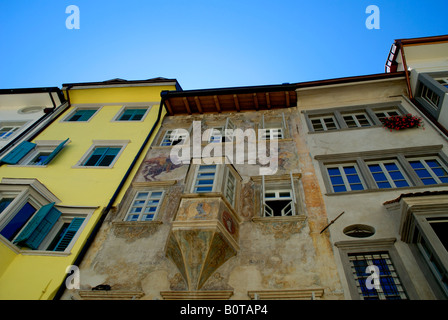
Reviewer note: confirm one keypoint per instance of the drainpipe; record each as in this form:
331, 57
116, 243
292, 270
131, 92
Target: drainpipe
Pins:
106, 210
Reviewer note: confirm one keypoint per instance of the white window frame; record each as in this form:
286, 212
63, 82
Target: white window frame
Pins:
172, 135
271, 131
428, 94
216, 135
321, 119
266, 210
15, 127
428, 168
386, 113
341, 167
387, 174
354, 118
210, 170
230, 187
145, 205
37, 196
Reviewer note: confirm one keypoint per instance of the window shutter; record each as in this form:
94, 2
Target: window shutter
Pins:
229, 130
68, 234
55, 152
18, 153
293, 190
39, 226
263, 200
285, 126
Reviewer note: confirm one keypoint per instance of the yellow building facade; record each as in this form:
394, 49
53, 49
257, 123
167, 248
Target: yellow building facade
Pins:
57, 187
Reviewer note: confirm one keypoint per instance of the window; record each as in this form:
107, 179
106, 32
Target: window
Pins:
357, 120
429, 170
217, 179
216, 135
390, 284
81, 115
174, 136
9, 128
18, 221
386, 169
132, 114
387, 174
278, 198
101, 157
205, 179
344, 178
7, 131
39, 227
40, 153
145, 206
351, 117
4, 203
425, 226
272, 134
323, 123
381, 115
273, 128
430, 96
230, 187
443, 82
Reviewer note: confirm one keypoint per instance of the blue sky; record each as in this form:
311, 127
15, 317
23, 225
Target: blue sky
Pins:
204, 44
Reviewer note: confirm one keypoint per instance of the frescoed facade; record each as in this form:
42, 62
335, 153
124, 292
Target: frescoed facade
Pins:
207, 229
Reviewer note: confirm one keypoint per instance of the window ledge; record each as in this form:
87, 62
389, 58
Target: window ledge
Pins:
136, 223
331, 194
29, 252
296, 218
346, 129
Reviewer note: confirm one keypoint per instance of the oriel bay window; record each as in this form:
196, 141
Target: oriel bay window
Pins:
424, 226
215, 178
385, 169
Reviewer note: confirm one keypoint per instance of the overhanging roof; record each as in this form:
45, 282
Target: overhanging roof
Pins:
252, 98
229, 99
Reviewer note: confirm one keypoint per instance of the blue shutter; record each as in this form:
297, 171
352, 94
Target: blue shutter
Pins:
54, 153
39, 226
18, 153
68, 234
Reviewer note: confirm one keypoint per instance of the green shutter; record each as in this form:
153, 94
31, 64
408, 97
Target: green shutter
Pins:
18, 153
68, 234
55, 152
39, 226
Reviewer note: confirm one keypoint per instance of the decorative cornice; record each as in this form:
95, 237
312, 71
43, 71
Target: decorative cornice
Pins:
365, 243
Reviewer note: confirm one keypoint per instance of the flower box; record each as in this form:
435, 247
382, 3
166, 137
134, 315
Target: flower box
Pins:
402, 122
